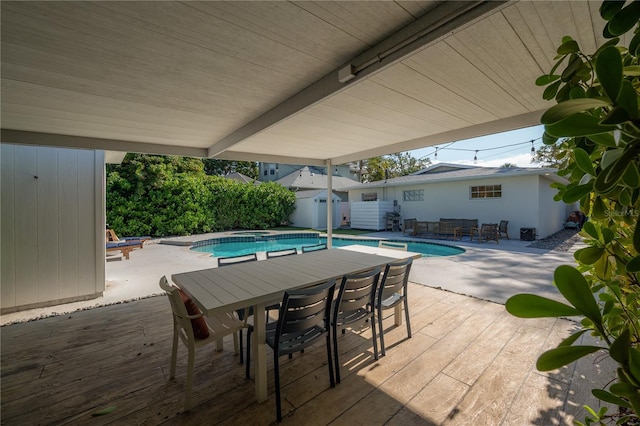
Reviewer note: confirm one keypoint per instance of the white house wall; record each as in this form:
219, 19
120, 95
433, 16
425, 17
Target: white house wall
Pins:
52, 226
523, 200
552, 214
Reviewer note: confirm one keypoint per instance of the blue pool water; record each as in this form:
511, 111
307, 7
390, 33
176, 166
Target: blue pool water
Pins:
223, 247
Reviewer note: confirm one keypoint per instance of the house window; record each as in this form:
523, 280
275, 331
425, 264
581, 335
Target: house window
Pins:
371, 196
272, 172
265, 172
486, 191
413, 195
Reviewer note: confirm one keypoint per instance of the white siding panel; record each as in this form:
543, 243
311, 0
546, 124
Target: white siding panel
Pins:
52, 225
369, 214
69, 205
86, 223
26, 225
48, 217
7, 227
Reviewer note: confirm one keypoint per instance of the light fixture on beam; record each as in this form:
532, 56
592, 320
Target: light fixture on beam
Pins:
346, 73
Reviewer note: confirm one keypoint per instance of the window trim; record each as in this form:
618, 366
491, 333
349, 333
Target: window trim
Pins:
485, 192
410, 195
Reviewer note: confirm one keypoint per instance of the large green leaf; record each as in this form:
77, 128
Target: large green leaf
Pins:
610, 176
572, 338
558, 357
634, 44
543, 80
628, 99
551, 91
619, 349
631, 177
533, 306
569, 46
624, 19
577, 125
575, 289
575, 193
591, 230
568, 108
617, 115
605, 396
589, 255
547, 139
609, 71
631, 70
584, 161
605, 139
636, 237
609, 8
634, 265
634, 364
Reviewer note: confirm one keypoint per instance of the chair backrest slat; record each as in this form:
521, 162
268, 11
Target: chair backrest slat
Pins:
357, 291
396, 277
280, 253
232, 260
316, 247
305, 308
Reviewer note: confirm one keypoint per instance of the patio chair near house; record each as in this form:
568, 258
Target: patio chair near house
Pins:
391, 292
502, 229
354, 305
409, 226
489, 232
195, 331
304, 319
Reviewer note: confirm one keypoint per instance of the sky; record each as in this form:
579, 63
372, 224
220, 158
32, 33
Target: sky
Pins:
492, 149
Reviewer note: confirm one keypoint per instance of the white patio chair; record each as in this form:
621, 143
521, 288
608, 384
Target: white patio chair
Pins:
190, 326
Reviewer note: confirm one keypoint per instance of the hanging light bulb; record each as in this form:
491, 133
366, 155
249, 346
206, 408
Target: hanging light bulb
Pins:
475, 157
533, 150
435, 155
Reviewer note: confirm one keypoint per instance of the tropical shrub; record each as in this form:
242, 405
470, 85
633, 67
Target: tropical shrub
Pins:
596, 129
161, 196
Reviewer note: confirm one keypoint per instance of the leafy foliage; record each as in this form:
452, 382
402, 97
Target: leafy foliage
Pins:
224, 167
390, 166
160, 196
593, 134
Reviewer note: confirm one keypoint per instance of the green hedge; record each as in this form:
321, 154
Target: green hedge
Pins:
162, 196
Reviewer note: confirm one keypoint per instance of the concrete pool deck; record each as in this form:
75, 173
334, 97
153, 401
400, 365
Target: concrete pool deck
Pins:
487, 271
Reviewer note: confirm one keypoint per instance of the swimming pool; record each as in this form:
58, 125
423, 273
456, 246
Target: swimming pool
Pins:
236, 246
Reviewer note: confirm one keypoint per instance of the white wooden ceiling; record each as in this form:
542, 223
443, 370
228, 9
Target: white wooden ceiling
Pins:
259, 80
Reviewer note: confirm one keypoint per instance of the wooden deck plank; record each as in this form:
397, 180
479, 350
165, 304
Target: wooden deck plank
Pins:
468, 362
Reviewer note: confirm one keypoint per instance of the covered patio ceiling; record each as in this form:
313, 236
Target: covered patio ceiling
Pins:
269, 81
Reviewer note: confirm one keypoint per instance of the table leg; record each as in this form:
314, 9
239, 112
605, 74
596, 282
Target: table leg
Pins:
260, 353
219, 345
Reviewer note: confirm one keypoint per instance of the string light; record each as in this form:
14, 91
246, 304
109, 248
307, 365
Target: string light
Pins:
475, 157
476, 151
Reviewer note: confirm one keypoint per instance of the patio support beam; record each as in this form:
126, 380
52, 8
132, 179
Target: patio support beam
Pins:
66, 141
446, 18
269, 158
329, 205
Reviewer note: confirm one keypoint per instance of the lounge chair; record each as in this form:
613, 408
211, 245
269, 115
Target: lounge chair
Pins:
112, 237
123, 245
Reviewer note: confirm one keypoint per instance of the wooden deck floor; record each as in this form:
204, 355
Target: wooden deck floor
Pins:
469, 362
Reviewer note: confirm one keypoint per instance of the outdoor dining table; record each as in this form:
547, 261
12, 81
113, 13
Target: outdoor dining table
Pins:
259, 284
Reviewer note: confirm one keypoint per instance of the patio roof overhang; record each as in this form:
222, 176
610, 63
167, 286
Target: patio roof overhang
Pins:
291, 82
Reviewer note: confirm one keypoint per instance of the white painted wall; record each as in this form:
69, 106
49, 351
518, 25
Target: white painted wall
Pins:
51, 226
527, 202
